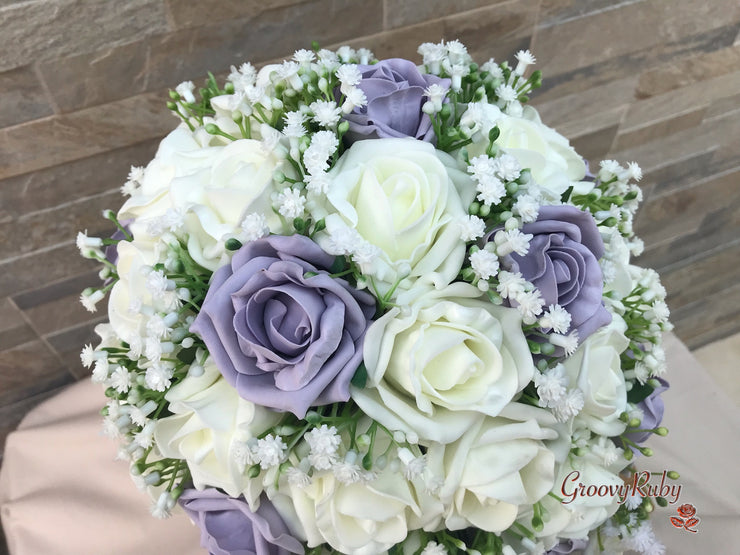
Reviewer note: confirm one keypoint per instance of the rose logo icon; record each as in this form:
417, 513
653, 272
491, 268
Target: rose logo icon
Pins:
687, 520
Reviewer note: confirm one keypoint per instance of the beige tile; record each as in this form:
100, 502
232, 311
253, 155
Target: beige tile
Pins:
59, 139
708, 319
29, 369
720, 358
50, 187
681, 72
41, 268
43, 229
186, 15
399, 13
647, 132
22, 97
36, 31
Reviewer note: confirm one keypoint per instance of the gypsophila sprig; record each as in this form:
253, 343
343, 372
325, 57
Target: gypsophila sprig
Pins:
383, 303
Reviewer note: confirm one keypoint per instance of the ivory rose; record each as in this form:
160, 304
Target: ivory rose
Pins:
595, 369
208, 423
402, 196
496, 466
211, 188
554, 164
436, 369
359, 518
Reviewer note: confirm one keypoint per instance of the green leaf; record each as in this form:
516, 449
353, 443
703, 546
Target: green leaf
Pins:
187, 355
360, 377
639, 392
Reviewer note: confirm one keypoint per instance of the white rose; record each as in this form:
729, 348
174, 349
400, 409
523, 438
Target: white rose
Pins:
555, 165
497, 466
359, 518
209, 423
578, 514
436, 370
212, 188
402, 196
596, 370
133, 257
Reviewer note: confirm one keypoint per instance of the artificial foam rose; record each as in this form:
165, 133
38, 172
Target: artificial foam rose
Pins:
563, 263
229, 527
211, 188
394, 89
405, 198
281, 330
362, 518
554, 164
595, 368
133, 258
575, 519
209, 422
495, 467
436, 369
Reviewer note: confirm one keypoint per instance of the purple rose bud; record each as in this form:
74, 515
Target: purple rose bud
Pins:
281, 330
567, 546
229, 527
652, 411
563, 263
395, 95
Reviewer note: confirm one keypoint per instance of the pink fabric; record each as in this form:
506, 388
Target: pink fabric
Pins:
61, 492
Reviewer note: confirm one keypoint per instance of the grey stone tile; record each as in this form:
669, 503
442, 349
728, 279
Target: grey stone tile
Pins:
52, 186
630, 28
238, 33
43, 143
46, 228
666, 217
681, 173
68, 344
559, 82
186, 15
41, 268
654, 131
22, 97
36, 31
29, 369
594, 146
704, 275
709, 318
555, 12
399, 13
681, 72
14, 330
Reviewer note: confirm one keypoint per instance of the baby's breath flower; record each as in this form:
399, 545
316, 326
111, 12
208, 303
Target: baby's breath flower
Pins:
269, 451
484, 264
255, 226
471, 228
291, 203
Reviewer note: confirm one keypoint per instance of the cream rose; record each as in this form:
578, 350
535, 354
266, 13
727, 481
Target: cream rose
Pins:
436, 370
209, 423
555, 165
133, 258
402, 196
596, 370
581, 513
359, 518
211, 188
495, 468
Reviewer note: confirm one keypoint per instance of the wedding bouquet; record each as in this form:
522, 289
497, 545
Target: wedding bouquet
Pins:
362, 307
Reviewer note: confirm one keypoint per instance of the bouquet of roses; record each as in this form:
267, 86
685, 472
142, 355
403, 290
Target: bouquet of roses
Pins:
363, 307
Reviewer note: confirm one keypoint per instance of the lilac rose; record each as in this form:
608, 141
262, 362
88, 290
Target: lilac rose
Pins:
395, 94
652, 414
567, 546
563, 263
229, 527
281, 330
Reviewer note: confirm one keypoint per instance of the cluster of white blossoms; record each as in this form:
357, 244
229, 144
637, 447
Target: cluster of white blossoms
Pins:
512, 343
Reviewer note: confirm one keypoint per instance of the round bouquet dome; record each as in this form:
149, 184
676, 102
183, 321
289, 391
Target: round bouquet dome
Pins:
366, 306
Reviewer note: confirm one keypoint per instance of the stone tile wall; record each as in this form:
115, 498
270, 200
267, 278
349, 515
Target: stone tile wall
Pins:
82, 93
